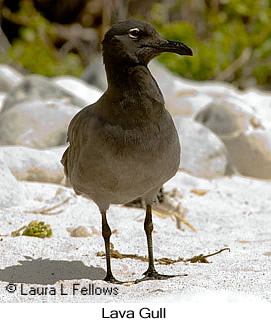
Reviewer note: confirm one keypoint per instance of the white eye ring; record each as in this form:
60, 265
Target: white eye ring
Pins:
134, 33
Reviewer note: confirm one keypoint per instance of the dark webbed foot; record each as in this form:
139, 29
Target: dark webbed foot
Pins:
112, 279
151, 273
154, 275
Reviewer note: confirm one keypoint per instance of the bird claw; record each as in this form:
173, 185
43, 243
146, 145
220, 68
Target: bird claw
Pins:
111, 279
154, 275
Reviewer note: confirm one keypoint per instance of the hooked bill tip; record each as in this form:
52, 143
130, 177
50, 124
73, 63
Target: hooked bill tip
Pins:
177, 47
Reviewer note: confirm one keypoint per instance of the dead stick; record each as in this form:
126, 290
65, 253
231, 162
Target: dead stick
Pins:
45, 211
162, 261
238, 63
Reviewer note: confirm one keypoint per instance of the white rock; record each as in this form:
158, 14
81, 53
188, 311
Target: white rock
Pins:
212, 88
186, 97
28, 164
164, 78
251, 153
59, 150
187, 103
9, 77
2, 99
256, 98
37, 87
261, 103
87, 93
225, 117
171, 83
244, 132
203, 153
36, 124
95, 74
11, 191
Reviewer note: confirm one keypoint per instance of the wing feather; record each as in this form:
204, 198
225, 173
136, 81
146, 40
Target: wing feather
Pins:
75, 137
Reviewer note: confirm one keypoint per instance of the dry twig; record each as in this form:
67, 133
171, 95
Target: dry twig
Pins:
162, 261
47, 211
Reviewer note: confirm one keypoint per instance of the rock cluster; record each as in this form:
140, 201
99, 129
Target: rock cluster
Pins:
223, 131
240, 120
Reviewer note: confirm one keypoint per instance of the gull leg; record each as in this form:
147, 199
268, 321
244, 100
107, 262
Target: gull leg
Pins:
106, 232
148, 227
151, 272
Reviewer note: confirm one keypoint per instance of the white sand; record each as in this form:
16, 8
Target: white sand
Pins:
235, 213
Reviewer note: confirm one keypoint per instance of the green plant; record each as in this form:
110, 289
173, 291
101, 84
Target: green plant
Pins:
36, 229
234, 45
34, 49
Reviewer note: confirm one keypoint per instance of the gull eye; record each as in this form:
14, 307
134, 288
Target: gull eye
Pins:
134, 33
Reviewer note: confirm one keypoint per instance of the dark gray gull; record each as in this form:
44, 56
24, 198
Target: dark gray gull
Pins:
125, 145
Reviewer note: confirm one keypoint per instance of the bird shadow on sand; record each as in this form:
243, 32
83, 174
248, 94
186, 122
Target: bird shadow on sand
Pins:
48, 272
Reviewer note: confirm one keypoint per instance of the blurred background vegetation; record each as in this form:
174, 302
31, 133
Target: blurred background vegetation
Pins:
231, 39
